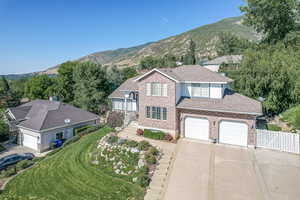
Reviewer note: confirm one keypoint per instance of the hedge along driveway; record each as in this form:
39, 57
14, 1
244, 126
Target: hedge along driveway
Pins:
69, 174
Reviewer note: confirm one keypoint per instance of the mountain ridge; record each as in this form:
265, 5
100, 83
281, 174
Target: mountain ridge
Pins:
205, 37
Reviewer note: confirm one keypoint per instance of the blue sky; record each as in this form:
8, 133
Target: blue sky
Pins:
37, 34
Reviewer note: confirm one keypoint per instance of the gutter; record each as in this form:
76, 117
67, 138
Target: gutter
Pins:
212, 110
49, 129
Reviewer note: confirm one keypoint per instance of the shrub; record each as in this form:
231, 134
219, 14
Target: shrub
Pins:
273, 127
153, 151
144, 170
168, 137
112, 139
9, 172
24, 164
143, 145
115, 119
71, 140
157, 135
131, 143
150, 159
139, 132
86, 129
54, 151
80, 130
52, 145
143, 180
37, 159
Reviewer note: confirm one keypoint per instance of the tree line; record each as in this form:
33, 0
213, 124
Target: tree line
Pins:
270, 68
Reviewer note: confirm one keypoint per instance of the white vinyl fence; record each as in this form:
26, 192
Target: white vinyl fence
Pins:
282, 141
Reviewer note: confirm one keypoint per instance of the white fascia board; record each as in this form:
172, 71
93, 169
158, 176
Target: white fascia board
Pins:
156, 70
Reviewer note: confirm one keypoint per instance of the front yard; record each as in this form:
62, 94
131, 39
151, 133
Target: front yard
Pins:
70, 174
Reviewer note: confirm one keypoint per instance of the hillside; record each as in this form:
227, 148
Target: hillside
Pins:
205, 38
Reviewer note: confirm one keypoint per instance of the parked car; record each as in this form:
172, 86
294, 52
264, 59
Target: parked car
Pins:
14, 159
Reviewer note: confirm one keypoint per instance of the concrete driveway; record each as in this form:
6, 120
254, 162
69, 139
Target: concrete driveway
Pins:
13, 148
218, 172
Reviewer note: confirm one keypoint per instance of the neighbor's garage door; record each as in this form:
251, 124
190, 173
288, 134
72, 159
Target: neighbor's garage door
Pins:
235, 133
30, 141
196, 128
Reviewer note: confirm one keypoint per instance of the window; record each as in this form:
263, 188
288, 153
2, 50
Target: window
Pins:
200, 90
147, 111
156, 89
164, 113
165, 90
153, 112
156, 113
59, 136
118, 104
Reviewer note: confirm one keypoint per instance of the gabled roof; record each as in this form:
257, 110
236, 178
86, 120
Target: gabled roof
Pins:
41, 115
189, 73
235, 59
231, 103
128, 85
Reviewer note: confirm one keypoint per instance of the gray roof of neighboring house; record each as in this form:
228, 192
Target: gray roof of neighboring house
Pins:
128, 85
235, 59
232, 102
42, 114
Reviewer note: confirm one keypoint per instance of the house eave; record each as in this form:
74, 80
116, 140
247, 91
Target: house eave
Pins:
223, 111
57, 127
156, 70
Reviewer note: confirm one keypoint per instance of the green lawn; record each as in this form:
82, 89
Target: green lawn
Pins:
69, 175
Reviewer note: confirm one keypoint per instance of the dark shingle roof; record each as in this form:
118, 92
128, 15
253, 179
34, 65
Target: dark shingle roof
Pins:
42, 114
20, 112
185, 73
232, 102
194, 73
190, 73
128, 85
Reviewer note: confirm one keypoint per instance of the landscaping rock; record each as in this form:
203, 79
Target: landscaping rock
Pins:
118, 129
134, 179
141, 163
134, 150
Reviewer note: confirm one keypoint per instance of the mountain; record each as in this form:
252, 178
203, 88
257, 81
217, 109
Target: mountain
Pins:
205, 38
19, 76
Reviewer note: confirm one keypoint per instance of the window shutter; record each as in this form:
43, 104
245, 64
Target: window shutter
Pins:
165, 90
148, 89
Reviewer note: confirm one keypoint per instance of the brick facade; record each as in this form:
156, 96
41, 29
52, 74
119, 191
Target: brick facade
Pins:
169, 125
215, 118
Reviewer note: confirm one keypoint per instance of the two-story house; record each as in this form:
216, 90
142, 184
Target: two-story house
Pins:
192, 102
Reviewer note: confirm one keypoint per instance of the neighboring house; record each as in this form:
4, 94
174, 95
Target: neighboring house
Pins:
232, 61
192, 102
41, 122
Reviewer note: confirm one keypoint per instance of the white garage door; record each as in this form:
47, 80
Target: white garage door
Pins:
196, 128
235, 133
30, 141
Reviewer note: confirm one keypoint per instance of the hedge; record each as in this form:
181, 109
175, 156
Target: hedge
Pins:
86, 129
157, 135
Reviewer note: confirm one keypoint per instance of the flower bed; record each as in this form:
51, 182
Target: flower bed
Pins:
126, 159
156, 135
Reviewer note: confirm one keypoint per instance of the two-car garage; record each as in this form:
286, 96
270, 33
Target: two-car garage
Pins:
229, 132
